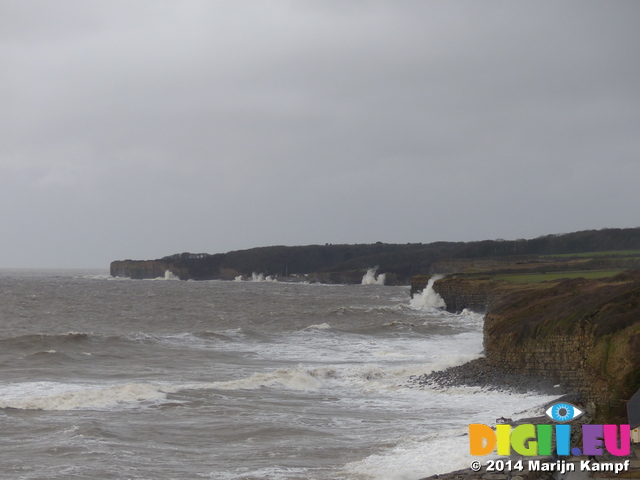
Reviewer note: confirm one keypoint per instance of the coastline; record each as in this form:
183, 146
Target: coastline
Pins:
478, 373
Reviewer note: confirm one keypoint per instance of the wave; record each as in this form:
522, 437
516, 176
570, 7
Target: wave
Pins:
259, 277
399, 324
45, 341
437, 451
296, 379
213, 335
368, 376
95, 277
264, 472
428, 298
365, 377
415, 458
321, 326
49, 357
61, 396
371, 279
82, 343
353, 310
64, 396
202, 340
168, 275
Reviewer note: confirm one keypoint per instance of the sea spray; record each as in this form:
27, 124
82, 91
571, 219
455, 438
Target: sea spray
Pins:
428, 297
168, 275
371, 279
259, 277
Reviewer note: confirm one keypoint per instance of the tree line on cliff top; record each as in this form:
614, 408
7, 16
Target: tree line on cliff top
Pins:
398, 261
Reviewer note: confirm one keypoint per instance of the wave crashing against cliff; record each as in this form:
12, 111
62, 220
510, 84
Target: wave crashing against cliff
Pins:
371, 279
429, 297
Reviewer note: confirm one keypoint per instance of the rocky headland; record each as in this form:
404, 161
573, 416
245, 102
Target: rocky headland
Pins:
583, 334
574, 335
606, 251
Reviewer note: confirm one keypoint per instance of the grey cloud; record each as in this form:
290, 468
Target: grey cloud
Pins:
211, 126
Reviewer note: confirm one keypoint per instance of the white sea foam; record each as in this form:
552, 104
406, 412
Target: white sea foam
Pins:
97, 277
371, 279
168, 275
265, 472
257, 277
321, 326
368, 377
428, 298
297, 379
238, 278
65, 396
442, 450
411, 459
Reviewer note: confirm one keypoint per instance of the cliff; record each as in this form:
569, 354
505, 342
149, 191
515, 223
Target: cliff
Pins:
607, 249
478, 295
324, 263
582, 333
471, 292
139, 269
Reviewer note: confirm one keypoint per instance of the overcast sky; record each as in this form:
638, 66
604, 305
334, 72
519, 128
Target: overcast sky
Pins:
139, 129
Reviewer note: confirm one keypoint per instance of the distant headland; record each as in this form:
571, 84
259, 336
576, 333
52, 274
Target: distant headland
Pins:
591, 253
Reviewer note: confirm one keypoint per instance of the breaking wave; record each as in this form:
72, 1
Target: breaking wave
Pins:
371, 279
428, 298
60, 396
168, 275
321, 326
297, 379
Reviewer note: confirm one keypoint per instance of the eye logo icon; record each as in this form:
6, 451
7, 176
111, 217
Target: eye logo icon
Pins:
563, 412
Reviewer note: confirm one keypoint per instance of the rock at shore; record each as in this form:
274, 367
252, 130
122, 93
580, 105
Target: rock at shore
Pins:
583, 334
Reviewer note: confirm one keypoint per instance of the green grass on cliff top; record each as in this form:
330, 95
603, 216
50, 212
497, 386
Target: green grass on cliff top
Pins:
609, 253
546, 277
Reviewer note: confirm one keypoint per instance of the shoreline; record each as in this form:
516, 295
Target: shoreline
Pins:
478, 373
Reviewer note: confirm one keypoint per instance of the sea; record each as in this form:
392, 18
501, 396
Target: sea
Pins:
112, 378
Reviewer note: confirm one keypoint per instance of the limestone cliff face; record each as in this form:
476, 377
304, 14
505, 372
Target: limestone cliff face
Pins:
459, 293
139, 269
185, 266
583, 333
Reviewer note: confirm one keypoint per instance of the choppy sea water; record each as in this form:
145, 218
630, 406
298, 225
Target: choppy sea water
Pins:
104, 378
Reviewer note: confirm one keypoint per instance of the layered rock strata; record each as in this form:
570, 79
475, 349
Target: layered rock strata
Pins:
584, 334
